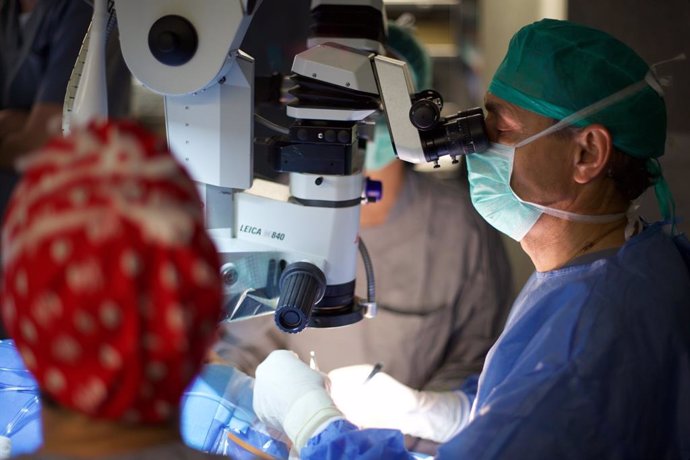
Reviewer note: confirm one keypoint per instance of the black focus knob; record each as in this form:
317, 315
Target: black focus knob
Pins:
424, 115
302, 285
173, 40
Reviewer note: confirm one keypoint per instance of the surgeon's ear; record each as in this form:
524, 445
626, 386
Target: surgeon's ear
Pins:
594, 148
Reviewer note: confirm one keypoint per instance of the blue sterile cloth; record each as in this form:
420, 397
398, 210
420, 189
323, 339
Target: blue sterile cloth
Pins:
20, 415
219, 403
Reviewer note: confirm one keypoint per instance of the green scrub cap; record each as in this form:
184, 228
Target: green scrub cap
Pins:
406, 47
556, 68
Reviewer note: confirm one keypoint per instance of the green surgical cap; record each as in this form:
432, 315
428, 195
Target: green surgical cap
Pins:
555, 68
409, 49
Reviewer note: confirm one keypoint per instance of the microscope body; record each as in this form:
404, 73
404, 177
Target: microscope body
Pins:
289, 249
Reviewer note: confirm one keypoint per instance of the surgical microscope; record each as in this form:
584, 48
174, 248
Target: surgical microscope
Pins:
288, 250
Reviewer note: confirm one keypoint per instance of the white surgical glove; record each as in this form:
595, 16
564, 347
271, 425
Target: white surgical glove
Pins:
290, 396
383, 402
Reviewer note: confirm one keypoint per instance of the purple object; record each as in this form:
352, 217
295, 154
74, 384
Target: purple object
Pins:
373, 190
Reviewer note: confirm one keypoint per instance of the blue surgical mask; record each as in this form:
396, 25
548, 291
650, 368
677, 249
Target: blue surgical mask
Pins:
380, 151
489, 176
494, 199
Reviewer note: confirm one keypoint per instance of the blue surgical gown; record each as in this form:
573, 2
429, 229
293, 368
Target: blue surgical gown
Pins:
593, 363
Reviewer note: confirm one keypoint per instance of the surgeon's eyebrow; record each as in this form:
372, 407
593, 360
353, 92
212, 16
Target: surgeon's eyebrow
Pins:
497, 107
504, 113
491, 106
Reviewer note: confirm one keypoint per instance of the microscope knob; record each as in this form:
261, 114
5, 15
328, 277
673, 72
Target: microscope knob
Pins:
173, 40
302, 285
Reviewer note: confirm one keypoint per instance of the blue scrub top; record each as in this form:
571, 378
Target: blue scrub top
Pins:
594, 363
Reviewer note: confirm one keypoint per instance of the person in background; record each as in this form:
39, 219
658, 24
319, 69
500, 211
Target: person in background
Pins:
594, 361
39, 43
442, 283
111, 291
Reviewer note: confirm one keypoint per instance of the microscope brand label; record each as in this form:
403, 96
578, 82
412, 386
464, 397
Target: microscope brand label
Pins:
250, 229
262, 232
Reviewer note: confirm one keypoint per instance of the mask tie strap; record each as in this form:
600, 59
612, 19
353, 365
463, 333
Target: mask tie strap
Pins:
655, 81
587, 111
667, 205
634, 226
650, 79
664, 197
572, 216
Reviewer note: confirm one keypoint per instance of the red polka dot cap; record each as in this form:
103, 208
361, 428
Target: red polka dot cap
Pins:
111, 286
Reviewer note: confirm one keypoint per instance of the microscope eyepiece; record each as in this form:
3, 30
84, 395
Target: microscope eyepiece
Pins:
425, 112
459, 134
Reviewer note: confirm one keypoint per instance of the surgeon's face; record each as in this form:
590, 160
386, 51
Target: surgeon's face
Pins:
542, 170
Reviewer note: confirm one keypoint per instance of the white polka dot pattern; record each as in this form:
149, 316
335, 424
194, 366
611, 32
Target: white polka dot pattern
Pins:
28, 330
109, 314
175, 317
89, 395
55, 381
9, 310
66, 349
79, 196
47, 308
113, 286
130, 263
110, 357
21, 283
102, 230
60, 250
169, 276
203, 274
84, 276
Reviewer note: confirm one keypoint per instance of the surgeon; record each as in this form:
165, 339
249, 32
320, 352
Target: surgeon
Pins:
39, 44
442, 276
594, 361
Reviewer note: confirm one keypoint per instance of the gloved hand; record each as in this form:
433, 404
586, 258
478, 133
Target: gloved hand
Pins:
383, 402
291, 396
